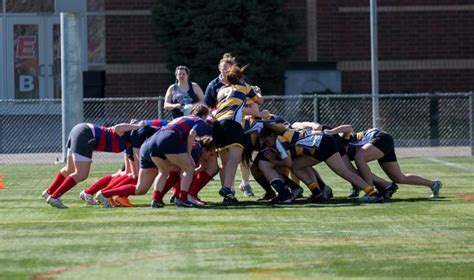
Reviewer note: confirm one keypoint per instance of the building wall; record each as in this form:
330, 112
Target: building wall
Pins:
424, 45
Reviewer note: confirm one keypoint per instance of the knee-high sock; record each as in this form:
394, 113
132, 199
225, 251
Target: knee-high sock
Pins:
124, 190
58, 180
99, 185
199, 181
67, 184
173, 179
264, 184
120, 181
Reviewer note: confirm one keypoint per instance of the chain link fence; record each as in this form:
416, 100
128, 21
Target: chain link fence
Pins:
421, 124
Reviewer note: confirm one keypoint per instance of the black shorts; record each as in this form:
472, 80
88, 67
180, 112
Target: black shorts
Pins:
228, 133
81, 140
326, 148
384, 142
339, 144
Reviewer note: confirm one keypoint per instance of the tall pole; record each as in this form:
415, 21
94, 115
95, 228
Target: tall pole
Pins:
374, 64
71, 74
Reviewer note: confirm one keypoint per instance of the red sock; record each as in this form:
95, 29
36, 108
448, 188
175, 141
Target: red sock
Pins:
173, 179
183, 195
117, 181
68, 184
199, 181
99, 185
58, 180
157, 195
124, 190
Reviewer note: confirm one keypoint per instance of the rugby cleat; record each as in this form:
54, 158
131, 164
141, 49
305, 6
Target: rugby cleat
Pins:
100, 198
354, 192
389, 191
183, 203
435, 187
267, 197
122, 201
374, 198
226, 192
88, 198
195, 201
56, 202
246, 189
157, 204
297, 193
45, 194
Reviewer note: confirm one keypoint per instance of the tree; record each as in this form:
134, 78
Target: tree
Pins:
196, 33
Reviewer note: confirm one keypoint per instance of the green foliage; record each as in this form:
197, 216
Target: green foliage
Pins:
197, 33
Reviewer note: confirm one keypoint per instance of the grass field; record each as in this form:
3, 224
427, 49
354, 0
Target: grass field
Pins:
409, 237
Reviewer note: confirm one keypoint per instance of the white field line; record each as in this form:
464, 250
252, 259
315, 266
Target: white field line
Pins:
452, 164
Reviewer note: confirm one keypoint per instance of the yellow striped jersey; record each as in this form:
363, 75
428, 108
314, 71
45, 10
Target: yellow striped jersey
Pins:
231, 101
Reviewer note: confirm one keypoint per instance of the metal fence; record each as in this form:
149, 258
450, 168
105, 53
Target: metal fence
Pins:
30, 130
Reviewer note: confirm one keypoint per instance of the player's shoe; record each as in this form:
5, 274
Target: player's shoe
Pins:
286, 198
122, 201
267, 196
230, 201
374, 198
435, 187
195, 201
389, 191
157, 204
183, 203
227, 193
297, 193
56, 202
45, 194
88, 198
329, 192
354, 192
246, 189
100, 198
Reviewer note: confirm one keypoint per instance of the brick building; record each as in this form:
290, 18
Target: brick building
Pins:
424, 46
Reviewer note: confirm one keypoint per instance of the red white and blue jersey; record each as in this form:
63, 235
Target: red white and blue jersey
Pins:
183, 125
196, 152
140, 135
156, 123
107, 140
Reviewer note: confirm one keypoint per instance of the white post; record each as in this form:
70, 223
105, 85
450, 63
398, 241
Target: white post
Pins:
374, 64
71, 74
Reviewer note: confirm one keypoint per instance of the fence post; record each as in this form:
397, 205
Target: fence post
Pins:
434, 120
471, 119
71, 75
160, 109
315, 108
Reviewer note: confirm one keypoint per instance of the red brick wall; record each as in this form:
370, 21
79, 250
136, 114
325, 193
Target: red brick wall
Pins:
341, 37
137, 85
130, 40
402, 36
410, 81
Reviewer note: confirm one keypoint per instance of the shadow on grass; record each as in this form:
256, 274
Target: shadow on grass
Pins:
301, 203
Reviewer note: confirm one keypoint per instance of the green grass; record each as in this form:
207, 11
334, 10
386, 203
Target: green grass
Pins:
409, 237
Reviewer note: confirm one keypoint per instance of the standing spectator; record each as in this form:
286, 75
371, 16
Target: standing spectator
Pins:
182, 95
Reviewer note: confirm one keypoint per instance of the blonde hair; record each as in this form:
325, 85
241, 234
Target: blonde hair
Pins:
226, 58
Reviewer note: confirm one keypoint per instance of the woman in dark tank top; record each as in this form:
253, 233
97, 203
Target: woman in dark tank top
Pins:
182, 95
